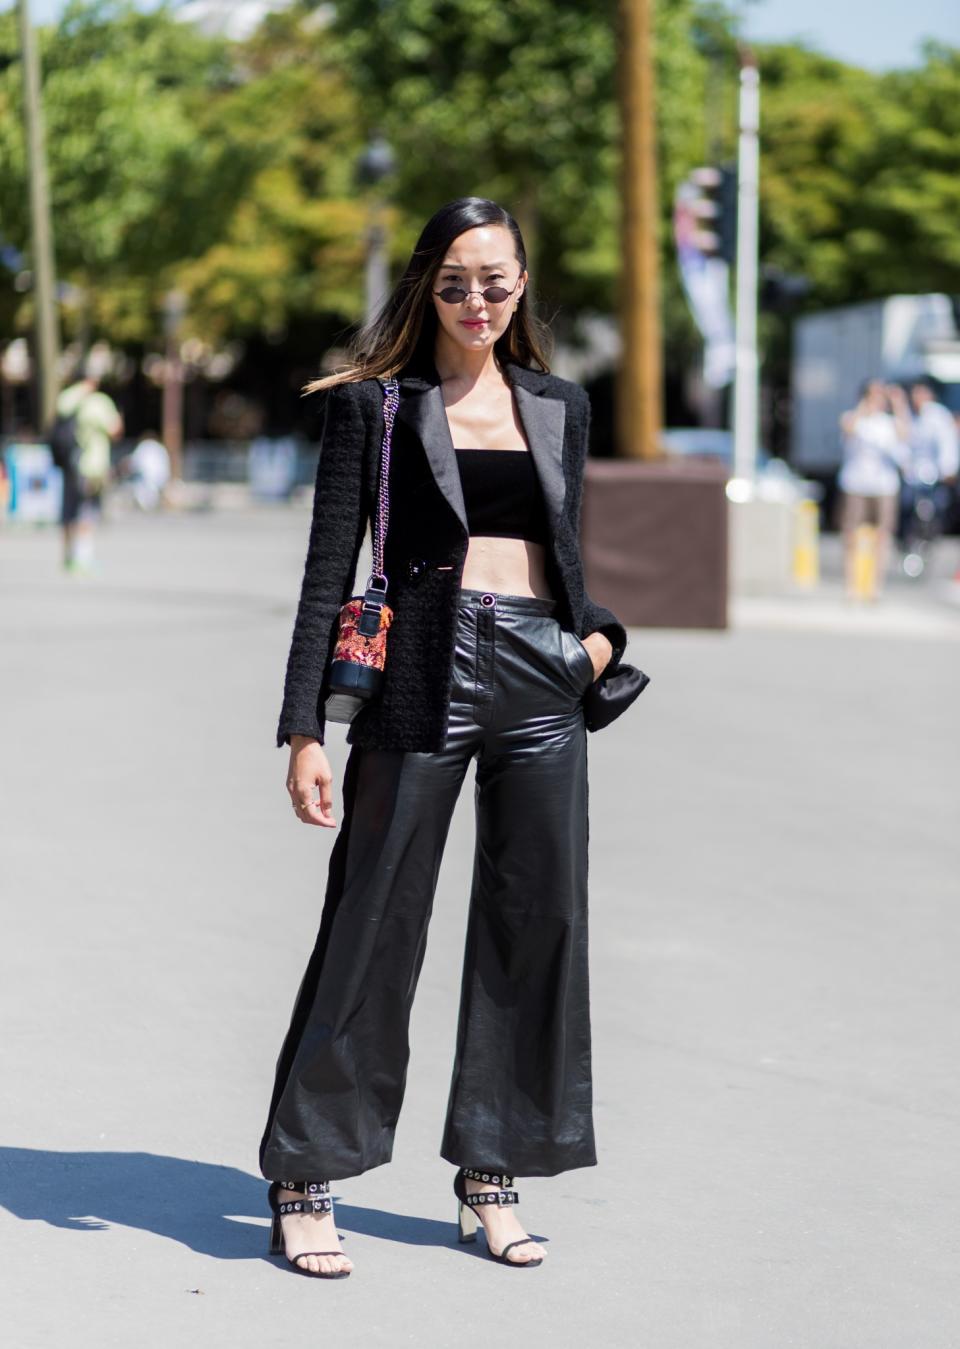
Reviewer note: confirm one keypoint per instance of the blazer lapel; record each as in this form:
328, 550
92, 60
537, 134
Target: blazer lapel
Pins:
422, 409
543, 421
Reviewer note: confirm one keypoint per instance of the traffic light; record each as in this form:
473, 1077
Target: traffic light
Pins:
781, 291
712, 197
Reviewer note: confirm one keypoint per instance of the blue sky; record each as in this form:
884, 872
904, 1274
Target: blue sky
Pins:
873, 33
879, 35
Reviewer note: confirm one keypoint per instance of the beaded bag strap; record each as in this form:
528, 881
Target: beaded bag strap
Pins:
391, 400
376, 588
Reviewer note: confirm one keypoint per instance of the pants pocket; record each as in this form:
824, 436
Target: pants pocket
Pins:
578, 659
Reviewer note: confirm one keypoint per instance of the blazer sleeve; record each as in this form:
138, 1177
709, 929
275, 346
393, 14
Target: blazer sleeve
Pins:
337, 529
596, 618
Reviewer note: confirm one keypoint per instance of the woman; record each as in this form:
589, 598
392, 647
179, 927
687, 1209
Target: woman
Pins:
875, 448
492, 647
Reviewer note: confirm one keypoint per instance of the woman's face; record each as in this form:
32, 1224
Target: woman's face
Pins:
477, 259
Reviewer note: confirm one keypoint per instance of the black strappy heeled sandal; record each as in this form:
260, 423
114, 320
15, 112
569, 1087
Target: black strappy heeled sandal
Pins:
313, 1197
469, 1203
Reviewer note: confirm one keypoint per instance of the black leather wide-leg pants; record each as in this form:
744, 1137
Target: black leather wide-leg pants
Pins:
521, 1092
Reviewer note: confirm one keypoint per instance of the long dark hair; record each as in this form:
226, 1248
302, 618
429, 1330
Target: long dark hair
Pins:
403, 332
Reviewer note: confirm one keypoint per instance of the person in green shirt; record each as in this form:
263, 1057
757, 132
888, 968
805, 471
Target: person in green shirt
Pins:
98, 423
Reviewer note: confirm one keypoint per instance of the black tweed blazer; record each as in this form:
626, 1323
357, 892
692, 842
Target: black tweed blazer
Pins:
427, 522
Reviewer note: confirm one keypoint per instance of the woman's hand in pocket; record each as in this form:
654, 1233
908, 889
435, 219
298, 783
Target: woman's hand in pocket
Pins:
600, 648
309, 768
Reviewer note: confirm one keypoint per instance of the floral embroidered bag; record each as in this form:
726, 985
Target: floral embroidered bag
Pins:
360, 652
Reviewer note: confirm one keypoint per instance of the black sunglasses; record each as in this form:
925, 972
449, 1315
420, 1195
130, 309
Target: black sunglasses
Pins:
492, 294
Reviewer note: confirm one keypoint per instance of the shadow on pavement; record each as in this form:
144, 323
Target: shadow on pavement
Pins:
194, 1203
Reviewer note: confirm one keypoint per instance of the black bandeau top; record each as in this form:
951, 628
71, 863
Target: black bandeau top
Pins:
502, 494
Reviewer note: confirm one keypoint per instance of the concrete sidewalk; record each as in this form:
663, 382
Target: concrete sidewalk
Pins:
773, 945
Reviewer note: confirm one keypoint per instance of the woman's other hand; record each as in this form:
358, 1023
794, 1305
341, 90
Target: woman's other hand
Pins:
309, 767
600, 648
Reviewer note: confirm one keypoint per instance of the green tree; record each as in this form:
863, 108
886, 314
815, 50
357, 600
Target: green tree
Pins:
911, 206
121, 149
519, 103
180, 159
228, 169
860, 173
289, 246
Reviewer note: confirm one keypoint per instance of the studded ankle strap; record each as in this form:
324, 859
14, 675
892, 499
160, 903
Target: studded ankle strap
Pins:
488, 1177
500, 1197
315, 1197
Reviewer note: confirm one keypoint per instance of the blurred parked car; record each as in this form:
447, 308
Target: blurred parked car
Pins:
775, 478
711, 441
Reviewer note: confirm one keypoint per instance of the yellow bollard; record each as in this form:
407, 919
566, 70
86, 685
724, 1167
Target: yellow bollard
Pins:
806, 544
865, 562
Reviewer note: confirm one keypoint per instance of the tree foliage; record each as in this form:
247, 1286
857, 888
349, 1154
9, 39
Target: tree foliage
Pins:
519, 103
228, 169
861, 174
125, 165
177, 159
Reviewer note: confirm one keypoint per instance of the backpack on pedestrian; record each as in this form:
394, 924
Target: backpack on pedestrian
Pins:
64, 445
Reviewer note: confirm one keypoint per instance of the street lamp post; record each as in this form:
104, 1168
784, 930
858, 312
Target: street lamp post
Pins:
45, 312
746, 387
376, 163
174, 308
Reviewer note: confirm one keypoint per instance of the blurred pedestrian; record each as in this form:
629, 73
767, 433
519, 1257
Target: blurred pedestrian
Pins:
147, 469
927, 495
934, 447
96, 422
876, 436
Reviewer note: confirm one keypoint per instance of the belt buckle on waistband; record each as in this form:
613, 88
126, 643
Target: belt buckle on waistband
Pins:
488, 600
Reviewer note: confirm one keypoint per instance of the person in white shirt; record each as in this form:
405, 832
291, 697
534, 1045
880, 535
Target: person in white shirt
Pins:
148, 468
876, 436
934, 460
934, 440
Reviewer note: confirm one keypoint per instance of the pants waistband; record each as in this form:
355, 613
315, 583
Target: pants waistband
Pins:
514, 604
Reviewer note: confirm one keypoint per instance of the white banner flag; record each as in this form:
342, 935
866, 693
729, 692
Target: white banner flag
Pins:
706, 283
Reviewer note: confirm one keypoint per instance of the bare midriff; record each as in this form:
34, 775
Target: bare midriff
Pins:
506, 567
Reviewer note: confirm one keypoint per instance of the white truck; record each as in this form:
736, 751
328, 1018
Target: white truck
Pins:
897, 338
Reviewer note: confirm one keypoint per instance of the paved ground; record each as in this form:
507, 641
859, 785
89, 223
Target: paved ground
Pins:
774, 940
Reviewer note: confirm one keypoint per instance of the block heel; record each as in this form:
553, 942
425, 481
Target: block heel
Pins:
471, 1206
308, 1196
467, 1223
